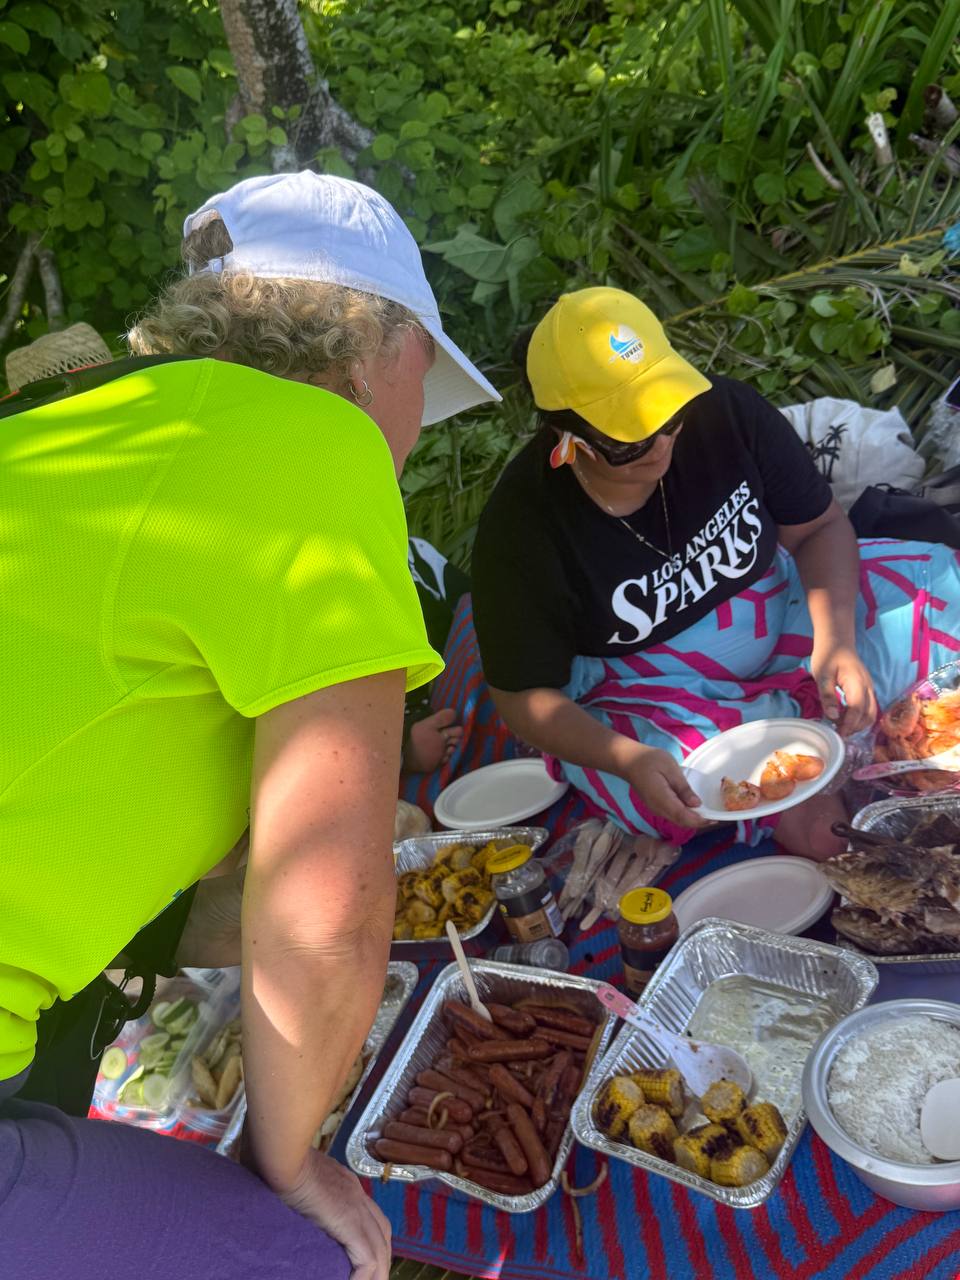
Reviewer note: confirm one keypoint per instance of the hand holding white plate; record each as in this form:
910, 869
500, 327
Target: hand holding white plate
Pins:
742, 754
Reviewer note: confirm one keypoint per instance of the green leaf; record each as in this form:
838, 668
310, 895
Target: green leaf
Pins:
822, 304
834, 56
78, 180
741, 300
383, 146
37, 17
884, 379
950, 321
519, 202
771, 188
101, 152
13, 35
276, 136
482, 259
481, 195
33, 90
151, 143
222, 61
414, 129
187, 81
89, 92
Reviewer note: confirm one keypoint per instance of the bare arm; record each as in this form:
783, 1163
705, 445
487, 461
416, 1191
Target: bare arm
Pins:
317, 919
828, 560
552, 722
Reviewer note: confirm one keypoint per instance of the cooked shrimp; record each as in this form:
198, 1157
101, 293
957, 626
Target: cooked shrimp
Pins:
775, 781
738, 796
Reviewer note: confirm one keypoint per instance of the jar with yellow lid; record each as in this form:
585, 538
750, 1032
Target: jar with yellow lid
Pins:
523, 895
648, 929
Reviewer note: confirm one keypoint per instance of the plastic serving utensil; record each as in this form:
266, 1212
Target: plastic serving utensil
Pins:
701, 1064
940, 1120
889, 768
468, 981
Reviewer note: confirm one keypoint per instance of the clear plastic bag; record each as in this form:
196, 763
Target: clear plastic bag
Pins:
923, 721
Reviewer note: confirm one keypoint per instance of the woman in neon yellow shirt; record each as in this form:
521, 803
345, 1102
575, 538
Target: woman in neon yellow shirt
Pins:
207, 609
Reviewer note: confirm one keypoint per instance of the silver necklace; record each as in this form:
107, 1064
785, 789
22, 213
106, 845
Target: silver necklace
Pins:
668, 554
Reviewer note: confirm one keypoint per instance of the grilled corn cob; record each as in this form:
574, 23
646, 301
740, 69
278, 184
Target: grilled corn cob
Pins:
652, 1130
619, 1099
695, 1150
723, 1102
664, 1087
429, 886
762, 1126
742, 1166
426, 930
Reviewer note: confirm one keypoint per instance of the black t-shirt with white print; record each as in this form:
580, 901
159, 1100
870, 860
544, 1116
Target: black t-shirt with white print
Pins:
554, 576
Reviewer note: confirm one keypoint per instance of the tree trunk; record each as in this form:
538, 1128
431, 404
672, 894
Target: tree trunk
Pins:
274, 69
17, 288
52, 288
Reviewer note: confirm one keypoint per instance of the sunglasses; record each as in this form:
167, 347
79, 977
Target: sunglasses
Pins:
618, 453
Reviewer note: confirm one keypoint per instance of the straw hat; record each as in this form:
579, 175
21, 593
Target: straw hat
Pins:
59, 352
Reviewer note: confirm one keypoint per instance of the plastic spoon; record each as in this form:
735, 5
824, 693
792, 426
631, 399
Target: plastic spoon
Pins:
475, 1002
940, 1120
701, 1064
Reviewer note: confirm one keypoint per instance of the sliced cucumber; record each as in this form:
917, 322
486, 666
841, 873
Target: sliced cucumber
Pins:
125, 1093
159, 1011
164, 1063
113, 1064
155, 1089
176, 1043
152, 1048
181, 1023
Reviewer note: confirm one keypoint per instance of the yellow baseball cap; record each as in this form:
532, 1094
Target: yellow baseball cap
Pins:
604, 354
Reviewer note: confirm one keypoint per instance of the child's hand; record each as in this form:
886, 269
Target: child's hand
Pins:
432, 742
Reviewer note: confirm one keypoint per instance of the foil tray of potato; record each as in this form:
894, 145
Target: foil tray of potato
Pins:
402, 978
710, 950
424, 1042
418, 853
897, 817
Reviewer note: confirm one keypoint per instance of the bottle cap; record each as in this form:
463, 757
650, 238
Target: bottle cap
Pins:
509, 859
645, 906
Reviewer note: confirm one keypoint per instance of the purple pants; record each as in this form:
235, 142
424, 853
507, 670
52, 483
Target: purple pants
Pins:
84, 1199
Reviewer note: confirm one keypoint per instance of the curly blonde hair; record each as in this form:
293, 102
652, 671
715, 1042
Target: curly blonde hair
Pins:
281, 326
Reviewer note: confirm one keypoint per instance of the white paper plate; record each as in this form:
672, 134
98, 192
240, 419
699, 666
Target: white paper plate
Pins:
780, 894
742, 753
497, 795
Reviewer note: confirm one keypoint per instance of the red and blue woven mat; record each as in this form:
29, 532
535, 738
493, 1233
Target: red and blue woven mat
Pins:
821, 1223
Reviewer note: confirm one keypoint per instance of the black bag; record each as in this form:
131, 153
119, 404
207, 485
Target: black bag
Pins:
931, 514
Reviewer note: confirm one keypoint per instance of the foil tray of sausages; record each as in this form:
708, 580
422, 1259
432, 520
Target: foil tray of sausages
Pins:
426, 1048
417, 853
828, 981
401, 980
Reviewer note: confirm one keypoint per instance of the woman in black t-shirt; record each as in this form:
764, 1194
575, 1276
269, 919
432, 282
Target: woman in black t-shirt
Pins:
663, 562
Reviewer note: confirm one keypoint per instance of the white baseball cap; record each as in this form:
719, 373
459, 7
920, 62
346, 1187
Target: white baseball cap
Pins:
314, 226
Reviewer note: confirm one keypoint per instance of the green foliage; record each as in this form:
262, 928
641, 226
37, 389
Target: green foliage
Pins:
713, 157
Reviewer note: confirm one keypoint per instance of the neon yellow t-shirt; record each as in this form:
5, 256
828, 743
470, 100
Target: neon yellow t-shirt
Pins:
181, 549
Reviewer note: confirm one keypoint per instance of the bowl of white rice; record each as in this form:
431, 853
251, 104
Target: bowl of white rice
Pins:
864, 1084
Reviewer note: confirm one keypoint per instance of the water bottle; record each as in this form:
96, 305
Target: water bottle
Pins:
546, 953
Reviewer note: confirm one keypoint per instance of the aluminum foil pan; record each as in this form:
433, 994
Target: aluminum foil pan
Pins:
836, 981
402, 978
417, 852
897, 817
426, 1040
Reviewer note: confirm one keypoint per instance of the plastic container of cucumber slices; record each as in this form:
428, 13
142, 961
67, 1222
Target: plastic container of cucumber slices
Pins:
145, 1075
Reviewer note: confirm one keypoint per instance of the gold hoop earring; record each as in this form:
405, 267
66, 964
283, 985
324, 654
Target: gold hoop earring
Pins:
363, 398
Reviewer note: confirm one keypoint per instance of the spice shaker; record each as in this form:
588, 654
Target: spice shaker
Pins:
525, 898
648, 929
548, 953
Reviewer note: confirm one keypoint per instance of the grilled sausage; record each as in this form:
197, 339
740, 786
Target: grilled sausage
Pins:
551, 1078
513, 1020
391, 1152
457, 1110
509, 1051
441, 1139
444, 1084
504, 1184
531, 1144
508, 1086
566, 1038
482, 1155
418, 1116
562, 1020
510, 1149
472, 1022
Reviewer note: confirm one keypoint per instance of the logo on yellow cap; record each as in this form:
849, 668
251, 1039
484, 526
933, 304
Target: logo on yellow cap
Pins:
625, 345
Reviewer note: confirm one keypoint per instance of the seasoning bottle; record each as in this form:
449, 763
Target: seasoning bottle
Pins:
548, 953
525, 898
648, 929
